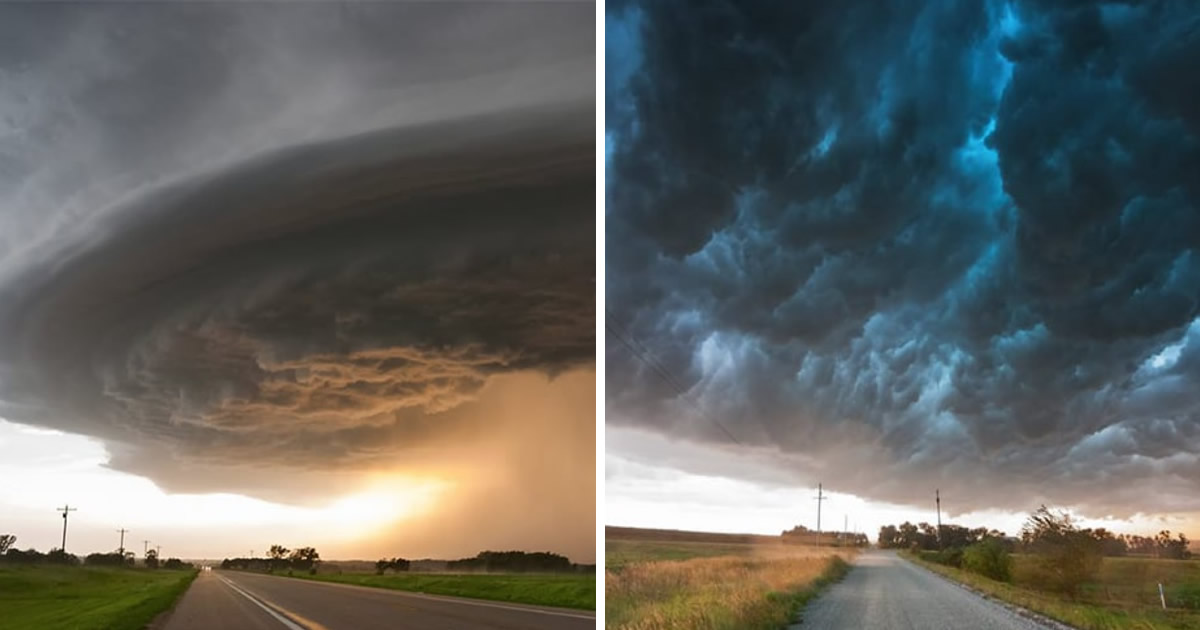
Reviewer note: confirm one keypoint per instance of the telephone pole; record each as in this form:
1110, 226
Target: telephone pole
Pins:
937, 496
145, 548
121, 549
819, 498
65, 509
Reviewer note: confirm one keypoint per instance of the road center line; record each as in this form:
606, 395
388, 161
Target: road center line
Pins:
283, 620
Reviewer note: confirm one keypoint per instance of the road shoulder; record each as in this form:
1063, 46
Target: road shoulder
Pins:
1036, 617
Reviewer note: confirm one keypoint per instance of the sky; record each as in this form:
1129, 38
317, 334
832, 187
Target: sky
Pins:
302, 274
894, 247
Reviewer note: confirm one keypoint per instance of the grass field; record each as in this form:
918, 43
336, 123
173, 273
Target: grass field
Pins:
692, 583
1124, 596
620, 553
86, 598
568, 590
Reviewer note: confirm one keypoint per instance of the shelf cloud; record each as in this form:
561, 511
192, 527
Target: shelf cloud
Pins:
307, 237
896, 245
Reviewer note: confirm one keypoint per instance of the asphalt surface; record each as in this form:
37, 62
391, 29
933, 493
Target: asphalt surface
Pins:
885, 592
240, 601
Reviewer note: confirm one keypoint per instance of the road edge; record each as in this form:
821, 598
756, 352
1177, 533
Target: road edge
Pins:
160, 620
1021, 611
836, 572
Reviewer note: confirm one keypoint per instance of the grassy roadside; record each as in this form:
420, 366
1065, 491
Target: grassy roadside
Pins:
1080, 614
86, 598
717, 593
563, 590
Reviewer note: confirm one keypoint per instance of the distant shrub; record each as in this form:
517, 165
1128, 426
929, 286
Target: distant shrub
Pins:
58, 556
114, 559
988, 558
29, 556
952, 557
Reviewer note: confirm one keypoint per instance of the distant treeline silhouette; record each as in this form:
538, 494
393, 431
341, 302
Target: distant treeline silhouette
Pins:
802, 535
11, 555
307, 559
513, 562
279, 558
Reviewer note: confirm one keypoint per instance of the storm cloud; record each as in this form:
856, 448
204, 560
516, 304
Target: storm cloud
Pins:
304, 236
897, 245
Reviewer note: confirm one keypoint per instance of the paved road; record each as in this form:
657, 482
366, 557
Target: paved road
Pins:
885, 592
240, 601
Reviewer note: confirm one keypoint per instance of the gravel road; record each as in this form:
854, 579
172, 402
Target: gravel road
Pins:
885, 592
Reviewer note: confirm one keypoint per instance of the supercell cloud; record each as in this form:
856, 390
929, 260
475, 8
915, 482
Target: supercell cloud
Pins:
306, 236
904, 244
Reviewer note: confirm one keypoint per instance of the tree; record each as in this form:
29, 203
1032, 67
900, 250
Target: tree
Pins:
6, 542
1066, 557
278, 555
305, 558
395, 564
889, 537
151, 559
58, 556
176, 564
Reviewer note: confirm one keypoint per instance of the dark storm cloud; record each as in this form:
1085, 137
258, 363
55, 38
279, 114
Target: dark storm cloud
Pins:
951, 243
293, 233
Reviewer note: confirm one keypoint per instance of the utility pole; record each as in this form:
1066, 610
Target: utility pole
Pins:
819, 498
145, 548
937, 496
65, 509
121, 549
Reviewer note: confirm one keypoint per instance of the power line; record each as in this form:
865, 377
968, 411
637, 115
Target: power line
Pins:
65, 509
819, 498
630, 342
937, 496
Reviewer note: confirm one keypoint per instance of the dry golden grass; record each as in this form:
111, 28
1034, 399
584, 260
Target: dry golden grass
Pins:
761, 588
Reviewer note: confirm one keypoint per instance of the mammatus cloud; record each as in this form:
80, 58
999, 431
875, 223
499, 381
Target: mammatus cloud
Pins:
904, 245
299, 236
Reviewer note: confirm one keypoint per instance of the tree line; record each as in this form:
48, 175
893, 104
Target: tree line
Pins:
924, 536
805, 536
10, 554
279, 558
1065, 556
497, 561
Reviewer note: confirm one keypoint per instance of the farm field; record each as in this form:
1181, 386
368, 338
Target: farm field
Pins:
1124, 596
692, 580
86, 598
567, 590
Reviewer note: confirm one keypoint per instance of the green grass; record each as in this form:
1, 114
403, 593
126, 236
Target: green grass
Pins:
86, 598
567, 590
620, 553
1123, 597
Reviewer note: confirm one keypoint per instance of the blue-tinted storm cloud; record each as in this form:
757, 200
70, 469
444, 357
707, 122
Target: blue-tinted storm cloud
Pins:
898, 245
303, 235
